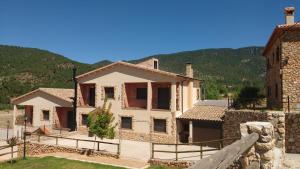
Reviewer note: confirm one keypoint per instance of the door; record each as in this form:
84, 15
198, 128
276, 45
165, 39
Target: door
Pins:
70, 120
92, 97
163, 98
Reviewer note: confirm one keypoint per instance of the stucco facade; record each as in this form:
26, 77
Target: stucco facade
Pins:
124, 79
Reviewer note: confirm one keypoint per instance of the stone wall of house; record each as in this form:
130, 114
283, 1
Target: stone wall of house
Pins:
290, 68
292, 141
233, 119
34, 149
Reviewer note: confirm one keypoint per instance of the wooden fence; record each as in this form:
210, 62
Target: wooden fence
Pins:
176, 151
77, 141
225, 157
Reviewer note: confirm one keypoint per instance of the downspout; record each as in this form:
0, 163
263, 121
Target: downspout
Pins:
74, 127
182, 95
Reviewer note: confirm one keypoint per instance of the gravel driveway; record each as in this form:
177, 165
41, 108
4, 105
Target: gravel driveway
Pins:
292, 161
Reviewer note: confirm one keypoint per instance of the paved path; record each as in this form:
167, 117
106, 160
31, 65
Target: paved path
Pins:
136, 150
292, 161
126, 163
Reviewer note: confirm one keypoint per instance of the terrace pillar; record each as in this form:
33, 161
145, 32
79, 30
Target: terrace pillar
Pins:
149, 96
191, 131
173, 97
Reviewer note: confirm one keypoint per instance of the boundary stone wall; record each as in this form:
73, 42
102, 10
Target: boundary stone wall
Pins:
233, 119
292, 140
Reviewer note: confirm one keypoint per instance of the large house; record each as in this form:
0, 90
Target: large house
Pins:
145, 100
148, 104
282, 53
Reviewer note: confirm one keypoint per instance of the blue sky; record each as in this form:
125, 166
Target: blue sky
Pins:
93, 30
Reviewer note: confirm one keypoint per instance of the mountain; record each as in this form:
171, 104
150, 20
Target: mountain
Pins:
25, 69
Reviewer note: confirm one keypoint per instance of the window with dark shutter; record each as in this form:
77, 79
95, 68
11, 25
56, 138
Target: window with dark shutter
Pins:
84, 119
126, 122
46, 115
160, 125
141, 93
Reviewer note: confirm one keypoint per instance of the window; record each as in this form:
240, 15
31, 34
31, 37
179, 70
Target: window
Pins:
109, 92
46, 115
155, 65
126, 122
277, 54
269, 91
84, 118
160, 125
141, 93
92, 97
276, 90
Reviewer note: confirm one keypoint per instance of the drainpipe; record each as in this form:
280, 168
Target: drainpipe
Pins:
74, 127
182, 95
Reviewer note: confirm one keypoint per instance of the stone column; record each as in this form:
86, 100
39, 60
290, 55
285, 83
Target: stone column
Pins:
190, 131
261, 155
173, 97
149, 96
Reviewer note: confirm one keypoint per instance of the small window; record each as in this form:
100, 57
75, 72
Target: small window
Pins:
126, 122
46, 115
109, 92
84, 119
276, 90
141, 93
160, 125
269, 91
155, 64
277, 54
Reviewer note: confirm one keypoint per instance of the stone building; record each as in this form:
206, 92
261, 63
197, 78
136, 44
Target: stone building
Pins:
282, 54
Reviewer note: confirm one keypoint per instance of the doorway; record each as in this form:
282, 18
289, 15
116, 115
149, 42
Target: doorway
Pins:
163, 98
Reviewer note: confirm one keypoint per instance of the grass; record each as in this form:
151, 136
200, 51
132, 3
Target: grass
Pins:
53, 163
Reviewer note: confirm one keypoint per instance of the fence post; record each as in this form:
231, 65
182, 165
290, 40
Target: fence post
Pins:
220, 146
152, 154
7, 129
76, 143
176, 151
39, 137
201, 151
56, 140
289, 108
98, 147
118, 149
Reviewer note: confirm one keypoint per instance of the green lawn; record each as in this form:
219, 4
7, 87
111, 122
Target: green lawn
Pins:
53, 163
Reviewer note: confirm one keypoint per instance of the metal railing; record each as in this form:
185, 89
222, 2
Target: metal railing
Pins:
200, 150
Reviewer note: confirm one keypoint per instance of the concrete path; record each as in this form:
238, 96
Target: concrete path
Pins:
292, 161
129, 149
126, 163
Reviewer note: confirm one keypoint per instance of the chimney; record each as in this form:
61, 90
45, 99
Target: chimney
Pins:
289, 15
189, 70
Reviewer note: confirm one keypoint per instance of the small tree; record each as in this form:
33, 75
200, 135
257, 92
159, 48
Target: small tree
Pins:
248, 96
11, 143
100, 122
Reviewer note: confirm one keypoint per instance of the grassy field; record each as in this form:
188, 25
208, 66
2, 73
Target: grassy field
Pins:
53, 163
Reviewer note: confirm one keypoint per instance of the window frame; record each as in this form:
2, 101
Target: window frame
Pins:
155, 128
141, 96
122, 124
155, 64
113, 92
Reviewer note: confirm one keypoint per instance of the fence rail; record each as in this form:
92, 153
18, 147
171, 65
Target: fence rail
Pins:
78, 140
200, 150
225, 157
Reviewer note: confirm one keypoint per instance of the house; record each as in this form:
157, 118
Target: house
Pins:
49, 107
145, 100
282, 54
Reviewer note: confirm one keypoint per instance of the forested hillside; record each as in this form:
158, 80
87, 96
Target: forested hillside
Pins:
25, 69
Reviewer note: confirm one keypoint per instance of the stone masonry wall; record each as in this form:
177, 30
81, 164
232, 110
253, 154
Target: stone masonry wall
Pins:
33, 149
292, 141
233, 119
